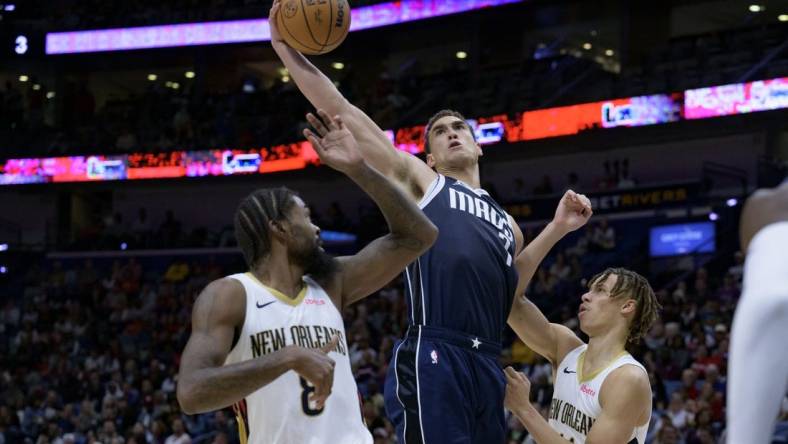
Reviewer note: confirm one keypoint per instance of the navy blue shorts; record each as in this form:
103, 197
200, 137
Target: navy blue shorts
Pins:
446, 387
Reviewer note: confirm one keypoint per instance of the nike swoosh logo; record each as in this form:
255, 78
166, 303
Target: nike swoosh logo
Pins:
566, 370
264, 305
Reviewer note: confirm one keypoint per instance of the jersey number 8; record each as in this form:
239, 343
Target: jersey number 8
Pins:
308, 389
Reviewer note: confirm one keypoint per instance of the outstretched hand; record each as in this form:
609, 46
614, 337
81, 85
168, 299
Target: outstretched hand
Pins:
334, 143
573, 211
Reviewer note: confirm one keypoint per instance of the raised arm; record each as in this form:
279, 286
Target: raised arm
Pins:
405, 169
552, 341
205, 384
410, 232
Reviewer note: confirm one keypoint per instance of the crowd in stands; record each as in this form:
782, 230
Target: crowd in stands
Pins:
142, 231
89, 348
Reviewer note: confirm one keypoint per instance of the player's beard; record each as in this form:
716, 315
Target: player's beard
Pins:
316, 263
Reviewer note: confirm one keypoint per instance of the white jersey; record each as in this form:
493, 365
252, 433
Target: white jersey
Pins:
575, 406
280, 412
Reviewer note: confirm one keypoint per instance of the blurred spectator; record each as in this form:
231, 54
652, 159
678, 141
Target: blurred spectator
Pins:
678, 415
572, 181
737, 269
519, 191
141, 228
545, 187
603, 236
560, 270
179, 435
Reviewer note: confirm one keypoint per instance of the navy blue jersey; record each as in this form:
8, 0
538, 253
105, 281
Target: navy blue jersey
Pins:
466, 281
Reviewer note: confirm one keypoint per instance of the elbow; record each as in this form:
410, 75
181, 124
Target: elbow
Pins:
426, 237
416, 239
430, 235
185, 397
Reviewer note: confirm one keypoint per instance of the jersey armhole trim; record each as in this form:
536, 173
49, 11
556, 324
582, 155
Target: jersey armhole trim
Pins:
238, 331
435, 187
566, 356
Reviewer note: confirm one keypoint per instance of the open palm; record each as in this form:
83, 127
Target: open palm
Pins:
333, 142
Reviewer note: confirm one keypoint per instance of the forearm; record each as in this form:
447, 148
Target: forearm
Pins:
406, 222
537, 426
532, 255
215, 388
313, 84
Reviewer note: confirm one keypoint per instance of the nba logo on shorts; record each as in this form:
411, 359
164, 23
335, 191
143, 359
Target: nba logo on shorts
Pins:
434, 356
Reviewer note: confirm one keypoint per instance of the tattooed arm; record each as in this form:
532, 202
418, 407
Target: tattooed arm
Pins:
410, 232
205, 384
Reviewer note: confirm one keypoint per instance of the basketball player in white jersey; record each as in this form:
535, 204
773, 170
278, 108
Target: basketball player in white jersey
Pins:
602, 395
758, 365
271, 342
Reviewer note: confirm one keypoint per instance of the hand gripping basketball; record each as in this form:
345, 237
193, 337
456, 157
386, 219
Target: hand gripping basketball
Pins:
311, 27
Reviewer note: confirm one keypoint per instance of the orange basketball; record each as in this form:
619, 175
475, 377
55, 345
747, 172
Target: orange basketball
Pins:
314, 26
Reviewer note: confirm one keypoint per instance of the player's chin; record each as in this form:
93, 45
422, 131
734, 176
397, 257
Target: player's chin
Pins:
461, 158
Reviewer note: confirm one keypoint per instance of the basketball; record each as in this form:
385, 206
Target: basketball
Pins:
314, 26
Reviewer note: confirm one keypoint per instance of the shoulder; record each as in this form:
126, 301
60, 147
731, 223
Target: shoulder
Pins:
415, 174
764, 207
627, 381
223, 300
425, 190
567, 343
227, 289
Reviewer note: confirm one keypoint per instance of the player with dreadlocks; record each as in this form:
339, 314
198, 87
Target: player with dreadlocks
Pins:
601, 393
271, 341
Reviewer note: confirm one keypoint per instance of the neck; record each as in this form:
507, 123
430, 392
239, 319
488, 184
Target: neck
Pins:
604, 348
469, 174
277, 272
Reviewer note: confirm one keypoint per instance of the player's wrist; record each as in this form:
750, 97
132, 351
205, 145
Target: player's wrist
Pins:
557, 229
358, 170
293, 357
527, 411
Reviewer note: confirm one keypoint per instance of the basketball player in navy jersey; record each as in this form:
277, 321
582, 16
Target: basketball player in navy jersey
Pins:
444, 384
262, 340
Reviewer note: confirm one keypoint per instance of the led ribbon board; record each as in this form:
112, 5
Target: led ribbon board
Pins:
529, 125
244, 31
738, 98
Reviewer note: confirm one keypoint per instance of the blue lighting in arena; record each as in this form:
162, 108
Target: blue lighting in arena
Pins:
732, 202
3, 270
124, 246
3, 247
713, 216
254, 30
336, 236
680, 239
